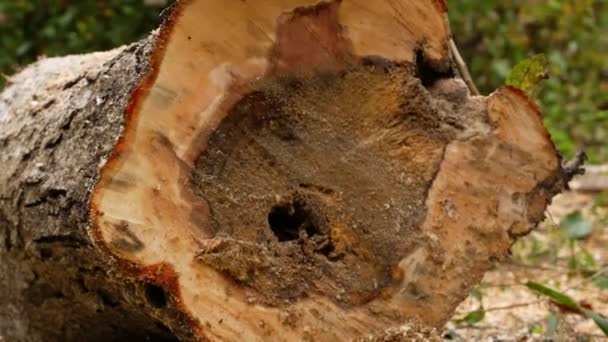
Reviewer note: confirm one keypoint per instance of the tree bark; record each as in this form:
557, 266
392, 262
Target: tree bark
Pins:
261, 170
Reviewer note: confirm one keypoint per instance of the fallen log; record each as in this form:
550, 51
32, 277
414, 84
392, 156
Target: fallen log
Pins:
261, 170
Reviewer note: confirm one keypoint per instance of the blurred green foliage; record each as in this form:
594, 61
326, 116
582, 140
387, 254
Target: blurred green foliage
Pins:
33, 28
529, 74
493, 36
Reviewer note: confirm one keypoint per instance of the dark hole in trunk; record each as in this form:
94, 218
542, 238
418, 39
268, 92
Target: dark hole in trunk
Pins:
156, 296
288, 219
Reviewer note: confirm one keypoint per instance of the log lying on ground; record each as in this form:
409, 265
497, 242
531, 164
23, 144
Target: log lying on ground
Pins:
261, 170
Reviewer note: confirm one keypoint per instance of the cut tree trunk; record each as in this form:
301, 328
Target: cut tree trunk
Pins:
261, 170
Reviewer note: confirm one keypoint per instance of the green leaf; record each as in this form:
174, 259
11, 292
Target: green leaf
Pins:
586, 260
473, 316
475, 293
537, 329
601, 282
572, 264
575, 226
600, 320
529, 74
552, 324
601, 199
554, 295
564, 299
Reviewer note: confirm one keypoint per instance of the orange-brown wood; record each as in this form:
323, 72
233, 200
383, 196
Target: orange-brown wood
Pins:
480, 161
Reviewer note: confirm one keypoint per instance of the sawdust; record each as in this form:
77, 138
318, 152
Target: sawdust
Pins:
410, 332
317, 184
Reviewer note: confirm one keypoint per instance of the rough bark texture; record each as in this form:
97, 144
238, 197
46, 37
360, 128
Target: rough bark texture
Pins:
58, 119
281, 170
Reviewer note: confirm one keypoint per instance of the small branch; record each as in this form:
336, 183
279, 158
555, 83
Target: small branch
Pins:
475, 327
500, 285
574, 167
515, 306
537, 267
587, 280
457, 59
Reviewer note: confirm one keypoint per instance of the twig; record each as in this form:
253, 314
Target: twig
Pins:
487, 285
587, 280
476, 327
515, 306
574, 167
550, 216
457, 59
555, 268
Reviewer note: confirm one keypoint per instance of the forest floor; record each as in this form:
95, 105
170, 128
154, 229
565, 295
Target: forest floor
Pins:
507, 310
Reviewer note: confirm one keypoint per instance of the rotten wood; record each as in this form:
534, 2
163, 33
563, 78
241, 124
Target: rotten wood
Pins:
262, 170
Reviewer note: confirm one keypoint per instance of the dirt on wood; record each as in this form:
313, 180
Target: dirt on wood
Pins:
301, 207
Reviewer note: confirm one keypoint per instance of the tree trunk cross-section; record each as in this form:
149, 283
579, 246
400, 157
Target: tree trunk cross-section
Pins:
261, 170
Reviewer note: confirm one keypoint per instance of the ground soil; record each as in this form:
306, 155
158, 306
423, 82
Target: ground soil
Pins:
512, 310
